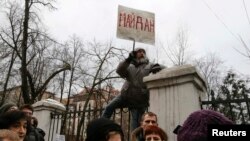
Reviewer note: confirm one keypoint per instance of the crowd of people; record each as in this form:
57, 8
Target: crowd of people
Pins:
194, 128
19, 124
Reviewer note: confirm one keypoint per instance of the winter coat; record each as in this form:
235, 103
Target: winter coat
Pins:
134, 92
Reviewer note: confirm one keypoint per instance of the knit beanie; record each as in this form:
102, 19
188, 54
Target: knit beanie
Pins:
4, 108
98, 129
195, 126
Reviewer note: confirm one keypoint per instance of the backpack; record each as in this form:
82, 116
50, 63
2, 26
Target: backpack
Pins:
39, 134
35, 134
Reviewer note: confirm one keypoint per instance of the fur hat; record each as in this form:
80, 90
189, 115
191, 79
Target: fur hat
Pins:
195, 126
98, 129
139, 48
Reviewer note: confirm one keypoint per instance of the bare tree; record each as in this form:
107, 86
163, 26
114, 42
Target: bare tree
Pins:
43, 67
25, 75
31, 45
74, 54
10, 40
210, 67
99, 68
177, 51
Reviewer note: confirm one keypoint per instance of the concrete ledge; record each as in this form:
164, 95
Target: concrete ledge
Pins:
48, 104
175, 76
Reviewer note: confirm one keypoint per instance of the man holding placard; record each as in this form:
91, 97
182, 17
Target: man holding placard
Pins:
139, 26
134, 93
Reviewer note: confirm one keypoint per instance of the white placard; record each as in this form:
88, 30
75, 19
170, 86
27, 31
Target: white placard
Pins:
136, 24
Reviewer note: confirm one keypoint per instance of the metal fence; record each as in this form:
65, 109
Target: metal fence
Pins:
237, 109
67, 123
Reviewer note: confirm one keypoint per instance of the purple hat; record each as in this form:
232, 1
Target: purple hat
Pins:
195, 126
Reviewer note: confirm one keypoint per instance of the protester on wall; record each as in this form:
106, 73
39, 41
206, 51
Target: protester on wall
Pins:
103, 129
16, 121
195, 126
134, 93
148, 118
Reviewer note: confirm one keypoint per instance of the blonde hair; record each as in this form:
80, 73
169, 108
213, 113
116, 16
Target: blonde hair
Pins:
8, 134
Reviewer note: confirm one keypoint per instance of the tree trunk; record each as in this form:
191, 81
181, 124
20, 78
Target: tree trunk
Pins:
25, 87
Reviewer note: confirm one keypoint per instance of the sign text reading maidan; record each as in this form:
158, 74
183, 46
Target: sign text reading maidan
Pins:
220, 132
136, 24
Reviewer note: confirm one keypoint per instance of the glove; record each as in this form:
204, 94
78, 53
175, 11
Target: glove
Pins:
131, 56
156, 68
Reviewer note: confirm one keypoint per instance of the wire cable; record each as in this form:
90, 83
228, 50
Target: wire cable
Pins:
218, 18
244, 4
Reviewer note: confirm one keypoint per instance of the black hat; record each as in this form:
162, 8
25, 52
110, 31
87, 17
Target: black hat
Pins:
98, 129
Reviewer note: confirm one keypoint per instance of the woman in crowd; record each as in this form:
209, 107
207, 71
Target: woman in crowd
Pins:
154, 133
15, 121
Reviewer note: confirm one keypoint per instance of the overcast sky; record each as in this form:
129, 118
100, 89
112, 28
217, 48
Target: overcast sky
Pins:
213, 25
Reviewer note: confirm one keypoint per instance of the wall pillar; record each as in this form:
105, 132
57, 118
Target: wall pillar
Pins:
42, 110
174, 94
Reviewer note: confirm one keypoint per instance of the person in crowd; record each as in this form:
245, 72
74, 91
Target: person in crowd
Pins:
8, 107
195, 126
8, 135
34, 121
103, 129
16, 121
35, 134
34, 124
148, 118
134, 93
27, 109
154, 133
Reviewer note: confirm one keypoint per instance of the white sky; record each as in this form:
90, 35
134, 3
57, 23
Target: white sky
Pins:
97, 19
